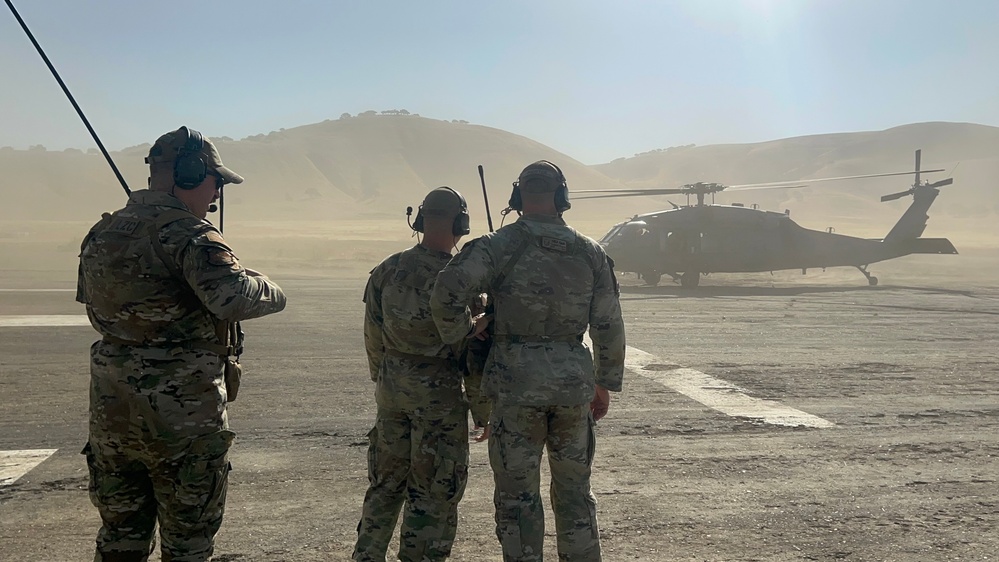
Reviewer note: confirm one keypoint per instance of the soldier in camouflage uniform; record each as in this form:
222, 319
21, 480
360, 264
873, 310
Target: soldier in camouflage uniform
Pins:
418, 448
547, 283
160, 283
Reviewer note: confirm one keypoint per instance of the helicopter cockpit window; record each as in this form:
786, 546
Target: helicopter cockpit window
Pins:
635, 227
611, 234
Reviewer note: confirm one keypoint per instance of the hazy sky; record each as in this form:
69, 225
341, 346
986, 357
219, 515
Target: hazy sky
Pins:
595, 79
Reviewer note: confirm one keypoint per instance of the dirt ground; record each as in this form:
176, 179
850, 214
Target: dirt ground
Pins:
906, 372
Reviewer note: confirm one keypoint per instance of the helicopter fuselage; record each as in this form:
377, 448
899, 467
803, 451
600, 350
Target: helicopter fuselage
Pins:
730, 239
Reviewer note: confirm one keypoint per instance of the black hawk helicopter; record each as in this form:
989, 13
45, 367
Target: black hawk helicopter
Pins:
685, 242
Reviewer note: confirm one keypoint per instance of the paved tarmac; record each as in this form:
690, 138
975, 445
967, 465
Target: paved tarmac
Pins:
904, 374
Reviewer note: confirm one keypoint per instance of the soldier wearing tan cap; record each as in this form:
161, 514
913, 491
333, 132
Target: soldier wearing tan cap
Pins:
161, 286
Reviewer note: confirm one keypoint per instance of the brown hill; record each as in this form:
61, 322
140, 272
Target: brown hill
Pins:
364, 166
373, 166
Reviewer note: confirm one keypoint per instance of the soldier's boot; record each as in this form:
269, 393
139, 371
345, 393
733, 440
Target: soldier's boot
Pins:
122, 556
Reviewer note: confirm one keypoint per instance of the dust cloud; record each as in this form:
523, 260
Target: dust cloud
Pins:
332, 196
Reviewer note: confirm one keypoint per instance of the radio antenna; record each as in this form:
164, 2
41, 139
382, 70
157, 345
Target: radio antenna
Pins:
69, 95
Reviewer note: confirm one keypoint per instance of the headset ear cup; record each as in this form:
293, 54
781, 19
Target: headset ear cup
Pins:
516, 201
189, 170
418, 221
562, 198
461, 225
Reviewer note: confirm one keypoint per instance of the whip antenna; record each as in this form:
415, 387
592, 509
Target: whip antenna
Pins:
72, 100
482, 178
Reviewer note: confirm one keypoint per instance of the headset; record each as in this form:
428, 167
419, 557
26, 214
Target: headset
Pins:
460, 226
190, 169
561, 192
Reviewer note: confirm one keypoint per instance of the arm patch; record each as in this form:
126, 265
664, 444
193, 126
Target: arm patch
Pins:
213, 236
220, 256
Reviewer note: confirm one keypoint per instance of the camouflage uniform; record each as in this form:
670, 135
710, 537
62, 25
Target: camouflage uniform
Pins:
159, 436
418, 452
548, 283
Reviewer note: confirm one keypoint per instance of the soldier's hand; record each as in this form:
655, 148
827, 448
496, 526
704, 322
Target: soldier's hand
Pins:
481, 323
485, 433
600, 403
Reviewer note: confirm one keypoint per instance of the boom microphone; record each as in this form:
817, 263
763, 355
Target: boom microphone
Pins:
213, 208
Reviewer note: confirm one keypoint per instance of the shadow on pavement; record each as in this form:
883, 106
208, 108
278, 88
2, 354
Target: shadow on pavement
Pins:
640, 292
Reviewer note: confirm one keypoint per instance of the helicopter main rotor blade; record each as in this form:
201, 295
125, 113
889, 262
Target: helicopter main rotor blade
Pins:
624, 193
777, 183
632, 192
941, 183
766, 187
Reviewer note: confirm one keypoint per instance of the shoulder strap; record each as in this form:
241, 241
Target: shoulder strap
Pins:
105, 219
222, 331
165, 218
518, 252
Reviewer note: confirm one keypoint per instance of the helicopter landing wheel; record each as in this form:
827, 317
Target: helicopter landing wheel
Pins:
690, 279
652, 278
871, 280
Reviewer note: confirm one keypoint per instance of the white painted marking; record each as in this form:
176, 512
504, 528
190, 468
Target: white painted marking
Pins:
15, 464
37, 290
716, 393
43, 320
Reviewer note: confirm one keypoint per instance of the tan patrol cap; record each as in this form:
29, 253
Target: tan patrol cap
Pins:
540, 177
163, 154
443, 202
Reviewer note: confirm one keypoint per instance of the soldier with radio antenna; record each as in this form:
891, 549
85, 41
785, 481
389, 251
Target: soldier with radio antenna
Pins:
161, 287
166, 293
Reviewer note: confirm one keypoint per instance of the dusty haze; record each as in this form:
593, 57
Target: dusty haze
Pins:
333, 194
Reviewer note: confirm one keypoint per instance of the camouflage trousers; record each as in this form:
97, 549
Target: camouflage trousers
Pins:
157, 452
519, 436
420, 464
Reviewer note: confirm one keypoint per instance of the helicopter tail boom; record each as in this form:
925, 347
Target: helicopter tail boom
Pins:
913, 222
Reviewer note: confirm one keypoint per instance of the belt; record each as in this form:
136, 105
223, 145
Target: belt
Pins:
201, 345
447, 361
515, 338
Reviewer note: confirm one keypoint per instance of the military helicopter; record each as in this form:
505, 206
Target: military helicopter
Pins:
687, 241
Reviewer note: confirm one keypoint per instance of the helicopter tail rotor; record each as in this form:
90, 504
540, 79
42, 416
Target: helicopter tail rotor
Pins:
917, 185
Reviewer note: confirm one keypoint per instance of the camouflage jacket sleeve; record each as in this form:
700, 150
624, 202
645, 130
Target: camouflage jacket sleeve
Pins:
374, 343
460, 281
223, 285
607, 327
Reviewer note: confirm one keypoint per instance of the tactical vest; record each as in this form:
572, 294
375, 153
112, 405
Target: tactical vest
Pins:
159, 311
575, 251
